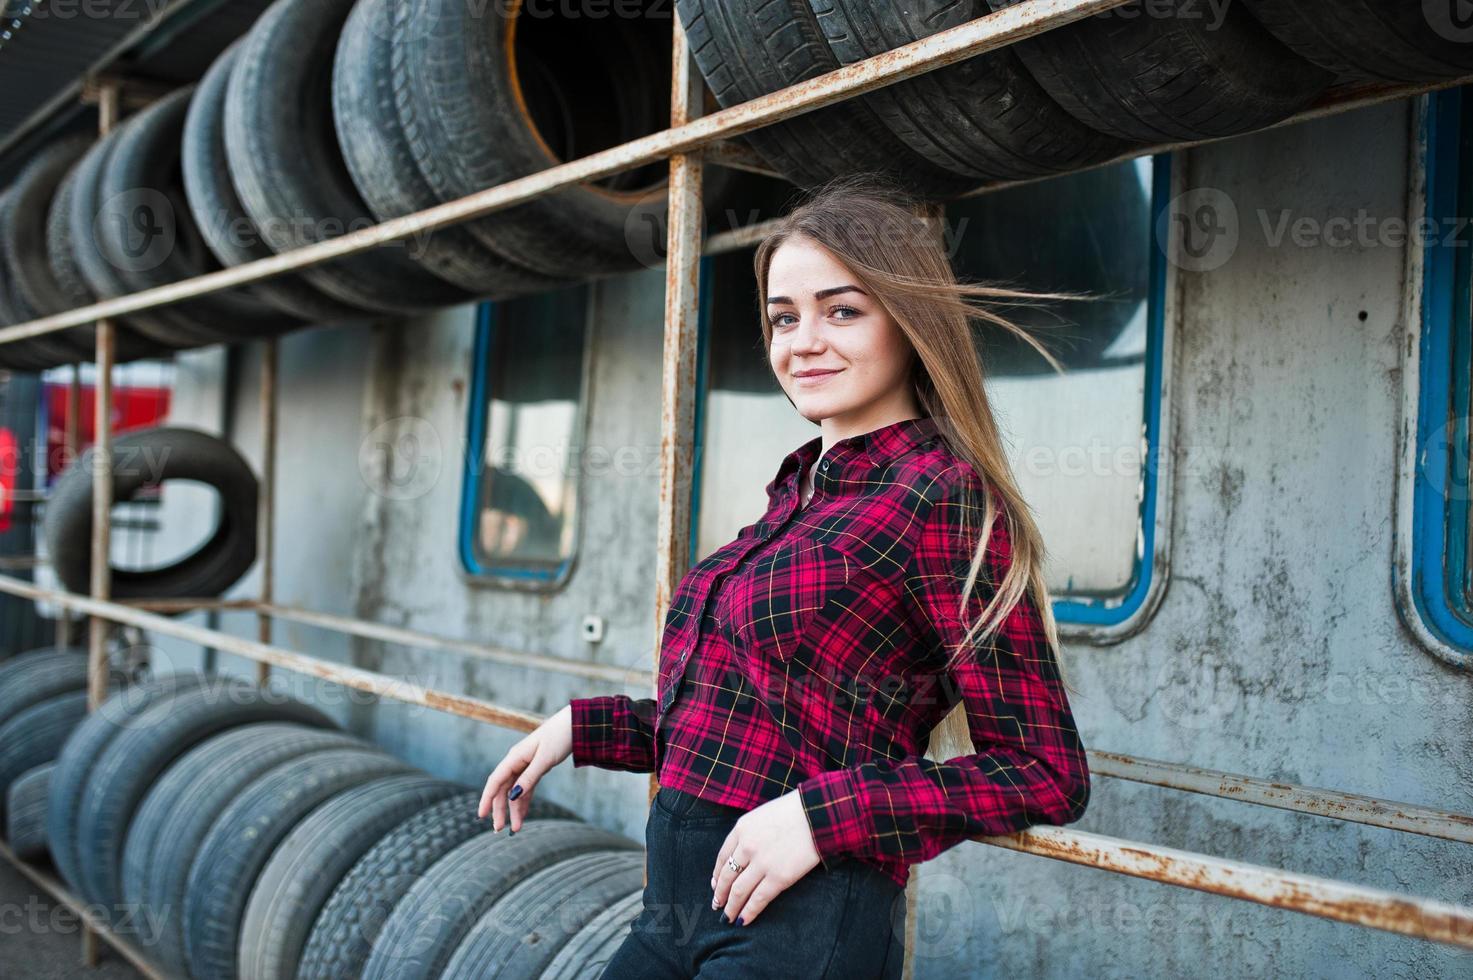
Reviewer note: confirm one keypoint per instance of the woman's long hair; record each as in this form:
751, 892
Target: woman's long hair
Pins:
892, 242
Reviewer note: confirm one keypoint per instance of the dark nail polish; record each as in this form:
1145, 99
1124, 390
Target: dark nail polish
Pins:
740, 922
512, 834
725, 919
515, 792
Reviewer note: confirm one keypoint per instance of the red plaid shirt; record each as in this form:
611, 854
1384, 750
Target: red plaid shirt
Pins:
808, 654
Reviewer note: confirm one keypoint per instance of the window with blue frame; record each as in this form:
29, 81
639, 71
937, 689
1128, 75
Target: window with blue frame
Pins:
519, 503
1441, 581
1083, 443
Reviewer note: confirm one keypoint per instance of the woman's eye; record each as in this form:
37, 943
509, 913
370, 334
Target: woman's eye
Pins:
845, 309
777, 321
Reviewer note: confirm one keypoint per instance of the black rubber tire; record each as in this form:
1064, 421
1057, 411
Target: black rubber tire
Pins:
348, 924
241, 841
587, 954
25, 812
126, 770
36, 675
35, 735
749, 48
22, 225
382, 165
468, 112
525, 929
20, 355
166, 326
25, 224
287, 167
61, 259
19, 663
985, 117
1374, 40
145, 457
184, 802
122, 711
144, 183
29, 353
310, 861
222, 220
1154, 79
435, 915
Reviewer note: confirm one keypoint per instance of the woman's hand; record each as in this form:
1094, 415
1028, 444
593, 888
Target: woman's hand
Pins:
544, 747
774, 844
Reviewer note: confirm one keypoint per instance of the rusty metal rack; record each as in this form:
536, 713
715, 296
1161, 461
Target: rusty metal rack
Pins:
690, 142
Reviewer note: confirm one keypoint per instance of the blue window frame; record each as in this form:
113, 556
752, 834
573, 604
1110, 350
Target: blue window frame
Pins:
1112, 611
527, 413
743, 414
1440, 588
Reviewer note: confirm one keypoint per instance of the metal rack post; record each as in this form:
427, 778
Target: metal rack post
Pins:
69, 442
98, 628
266, 503
682, 326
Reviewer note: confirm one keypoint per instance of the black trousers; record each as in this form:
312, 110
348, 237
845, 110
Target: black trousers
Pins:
847, 922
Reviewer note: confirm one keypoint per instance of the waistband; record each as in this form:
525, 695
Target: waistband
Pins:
682, 804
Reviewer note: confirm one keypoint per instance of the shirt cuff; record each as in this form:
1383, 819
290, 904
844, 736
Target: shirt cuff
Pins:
833, 804
593, 729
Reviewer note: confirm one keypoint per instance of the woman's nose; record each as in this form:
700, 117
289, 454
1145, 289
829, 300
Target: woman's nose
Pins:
806, 336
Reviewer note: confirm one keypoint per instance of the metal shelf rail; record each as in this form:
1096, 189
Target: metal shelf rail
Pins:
689, 142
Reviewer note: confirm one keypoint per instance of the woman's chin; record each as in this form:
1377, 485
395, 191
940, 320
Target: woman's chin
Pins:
815, 406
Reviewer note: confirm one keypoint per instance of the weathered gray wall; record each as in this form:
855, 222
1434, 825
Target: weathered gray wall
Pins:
1276, 650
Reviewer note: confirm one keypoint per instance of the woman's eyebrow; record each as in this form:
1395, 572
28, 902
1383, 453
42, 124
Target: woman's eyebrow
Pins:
821, 294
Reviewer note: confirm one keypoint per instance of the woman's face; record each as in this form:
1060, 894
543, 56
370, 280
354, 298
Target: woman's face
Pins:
835, 351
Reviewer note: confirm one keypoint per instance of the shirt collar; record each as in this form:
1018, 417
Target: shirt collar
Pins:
875, 448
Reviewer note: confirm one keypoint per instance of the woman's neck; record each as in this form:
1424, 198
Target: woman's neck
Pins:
834, 428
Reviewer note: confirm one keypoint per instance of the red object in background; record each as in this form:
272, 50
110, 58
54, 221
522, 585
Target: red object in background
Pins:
134, 407
9, 469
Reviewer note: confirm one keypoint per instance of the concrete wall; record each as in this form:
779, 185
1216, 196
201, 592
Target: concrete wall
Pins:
1275, 652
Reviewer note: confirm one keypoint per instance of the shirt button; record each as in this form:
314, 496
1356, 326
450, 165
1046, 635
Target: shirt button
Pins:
823, 467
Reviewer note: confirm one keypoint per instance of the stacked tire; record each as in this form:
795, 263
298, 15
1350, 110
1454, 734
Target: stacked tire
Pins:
332, 115
32, 285
231, 831
117, 223
1073, 95
43, 698
228, 830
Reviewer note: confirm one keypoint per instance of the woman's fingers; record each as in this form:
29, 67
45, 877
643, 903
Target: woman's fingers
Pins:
725, 894
762, 873
519, 796
750, 893
518, 774
493, 797
489, 794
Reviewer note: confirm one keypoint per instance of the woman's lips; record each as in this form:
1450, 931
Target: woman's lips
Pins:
810, 380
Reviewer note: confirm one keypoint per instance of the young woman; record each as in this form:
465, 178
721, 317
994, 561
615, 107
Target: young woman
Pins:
891, 600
